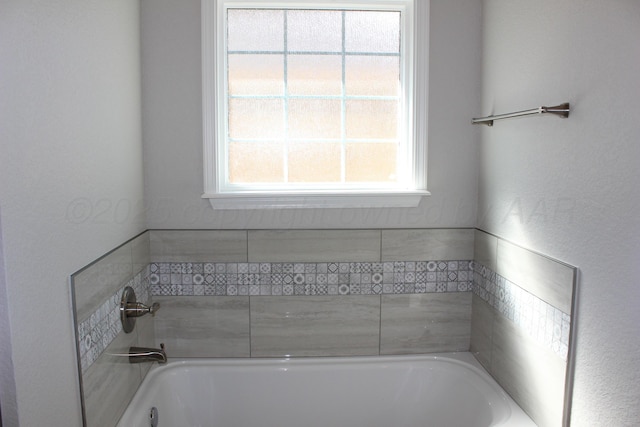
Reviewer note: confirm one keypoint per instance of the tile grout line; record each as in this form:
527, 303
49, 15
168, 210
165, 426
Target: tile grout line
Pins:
380, 309
380, 328
247, 247
250, 328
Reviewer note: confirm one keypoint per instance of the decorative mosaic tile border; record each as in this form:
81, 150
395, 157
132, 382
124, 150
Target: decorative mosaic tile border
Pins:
332, 278
545, 323
103, 325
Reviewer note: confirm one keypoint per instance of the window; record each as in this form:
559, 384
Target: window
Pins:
311, 104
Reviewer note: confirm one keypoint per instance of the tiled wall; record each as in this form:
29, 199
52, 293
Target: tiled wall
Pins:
97, 331
312, 292
257, 293
270, 293
109, 381
541, 321
521, 324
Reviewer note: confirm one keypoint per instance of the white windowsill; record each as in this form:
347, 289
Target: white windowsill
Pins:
265, 200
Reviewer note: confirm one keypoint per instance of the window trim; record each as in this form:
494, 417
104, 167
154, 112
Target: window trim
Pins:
418, 102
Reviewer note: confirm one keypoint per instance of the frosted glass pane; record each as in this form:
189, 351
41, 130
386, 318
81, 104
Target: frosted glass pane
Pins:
314, 118
314, 31
256, 118
372, 75
370, 162
314, 162
255, 30
368, 119
314, 75
367, 31
255, 162
256, 74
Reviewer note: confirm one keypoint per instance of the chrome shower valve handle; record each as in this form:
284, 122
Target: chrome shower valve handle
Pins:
138, 309
130, 308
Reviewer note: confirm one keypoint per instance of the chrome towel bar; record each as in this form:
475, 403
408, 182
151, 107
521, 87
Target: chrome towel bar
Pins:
561, 110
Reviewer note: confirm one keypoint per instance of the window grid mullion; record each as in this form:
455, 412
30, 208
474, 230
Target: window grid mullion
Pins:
327, 140
343, 108
285, 153
311, 52
339, 97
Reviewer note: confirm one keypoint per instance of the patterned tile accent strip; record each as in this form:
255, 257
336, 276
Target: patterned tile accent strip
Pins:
324, 278
103, 325
542, 321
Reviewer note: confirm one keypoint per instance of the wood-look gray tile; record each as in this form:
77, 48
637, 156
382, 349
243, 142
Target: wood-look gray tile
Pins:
315, 326
481, 330
198, 246
532, 374
145, 337
110, 383
203, 326
145, 331
549, 280
425, 323
314, 245
100, 280
140, 255
427, 244
485, 249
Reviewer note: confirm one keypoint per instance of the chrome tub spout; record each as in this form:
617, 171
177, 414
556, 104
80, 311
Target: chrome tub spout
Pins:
146, 354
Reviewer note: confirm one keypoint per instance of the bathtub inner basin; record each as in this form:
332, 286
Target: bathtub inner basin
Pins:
448, 390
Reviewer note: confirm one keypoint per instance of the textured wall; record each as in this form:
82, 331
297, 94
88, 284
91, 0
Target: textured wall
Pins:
70, 177
568, 188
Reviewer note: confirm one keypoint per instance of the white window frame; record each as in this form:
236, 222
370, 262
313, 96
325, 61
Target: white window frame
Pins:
212, 93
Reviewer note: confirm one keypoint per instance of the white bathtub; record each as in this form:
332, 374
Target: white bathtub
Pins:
445, 390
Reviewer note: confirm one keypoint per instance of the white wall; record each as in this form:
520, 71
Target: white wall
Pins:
568, 188
172, 128
69, 170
